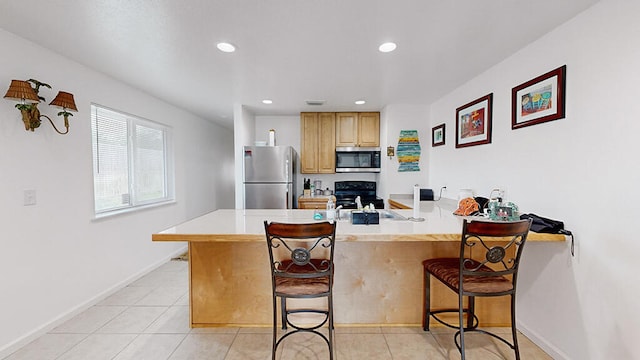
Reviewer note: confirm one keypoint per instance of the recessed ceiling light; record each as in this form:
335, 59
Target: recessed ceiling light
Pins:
387, 47
360, 102
226, 47
267, 101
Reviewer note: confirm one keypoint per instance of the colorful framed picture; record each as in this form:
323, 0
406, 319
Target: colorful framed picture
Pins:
437, 135
539, 100
473, 122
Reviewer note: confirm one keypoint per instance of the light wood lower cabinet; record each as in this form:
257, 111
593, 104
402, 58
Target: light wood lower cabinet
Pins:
319, 202
377, 283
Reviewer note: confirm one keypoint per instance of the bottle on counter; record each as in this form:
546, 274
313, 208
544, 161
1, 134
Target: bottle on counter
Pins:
306, 188
358, 203
331, 209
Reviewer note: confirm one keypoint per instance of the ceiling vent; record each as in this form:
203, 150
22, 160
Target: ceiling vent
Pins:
315, 102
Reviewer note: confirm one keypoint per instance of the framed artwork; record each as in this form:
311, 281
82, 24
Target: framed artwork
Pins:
473, 122
437, 135
539, 100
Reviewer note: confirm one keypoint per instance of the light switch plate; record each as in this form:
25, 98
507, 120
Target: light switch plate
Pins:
29, 197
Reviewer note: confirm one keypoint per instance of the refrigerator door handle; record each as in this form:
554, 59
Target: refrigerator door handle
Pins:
286, 169
286, 199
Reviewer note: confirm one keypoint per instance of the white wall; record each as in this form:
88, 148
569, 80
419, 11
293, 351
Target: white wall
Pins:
287, 129
582, 169
244, 123
57, 260
393, 119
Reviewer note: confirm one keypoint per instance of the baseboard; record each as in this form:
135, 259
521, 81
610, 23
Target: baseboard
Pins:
541, 342
12, 347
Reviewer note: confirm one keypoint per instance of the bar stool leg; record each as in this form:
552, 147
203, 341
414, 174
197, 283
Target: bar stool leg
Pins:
426, 310
283, 308
331, 328
514, 332
471, 311
461, 323
275, 328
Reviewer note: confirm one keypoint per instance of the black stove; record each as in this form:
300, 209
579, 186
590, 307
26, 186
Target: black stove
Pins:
347, 191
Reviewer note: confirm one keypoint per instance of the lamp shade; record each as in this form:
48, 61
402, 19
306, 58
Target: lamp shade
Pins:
21, 90
65, 101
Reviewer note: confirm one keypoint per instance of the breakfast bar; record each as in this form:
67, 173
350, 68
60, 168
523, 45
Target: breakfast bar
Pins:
378, 267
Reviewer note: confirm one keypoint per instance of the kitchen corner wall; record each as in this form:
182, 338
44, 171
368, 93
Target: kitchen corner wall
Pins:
56, 259
394, 118
581, 169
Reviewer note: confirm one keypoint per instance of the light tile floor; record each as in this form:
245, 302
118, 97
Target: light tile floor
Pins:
149, 319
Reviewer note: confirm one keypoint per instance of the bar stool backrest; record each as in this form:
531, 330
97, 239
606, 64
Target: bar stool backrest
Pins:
497, 245
303, 251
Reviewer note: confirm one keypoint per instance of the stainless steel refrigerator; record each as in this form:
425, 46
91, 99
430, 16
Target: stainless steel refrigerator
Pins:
269, 177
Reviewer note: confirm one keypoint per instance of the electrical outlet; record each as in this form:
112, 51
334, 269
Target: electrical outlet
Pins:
29, 197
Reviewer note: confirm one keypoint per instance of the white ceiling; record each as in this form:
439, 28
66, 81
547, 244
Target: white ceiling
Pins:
288, 51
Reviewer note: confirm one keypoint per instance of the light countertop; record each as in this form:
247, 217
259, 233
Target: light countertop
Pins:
231, 225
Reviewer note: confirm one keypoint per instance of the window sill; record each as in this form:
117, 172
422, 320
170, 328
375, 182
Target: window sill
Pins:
129, 210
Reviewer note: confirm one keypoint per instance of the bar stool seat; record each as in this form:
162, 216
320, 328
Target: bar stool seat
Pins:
302, 286
447, 270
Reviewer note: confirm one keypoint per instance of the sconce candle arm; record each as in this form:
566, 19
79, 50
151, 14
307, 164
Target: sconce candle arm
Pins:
66, 123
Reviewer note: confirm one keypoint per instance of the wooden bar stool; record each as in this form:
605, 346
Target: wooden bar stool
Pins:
301, 258
491, 271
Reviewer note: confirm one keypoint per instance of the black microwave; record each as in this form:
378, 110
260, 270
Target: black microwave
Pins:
357, 159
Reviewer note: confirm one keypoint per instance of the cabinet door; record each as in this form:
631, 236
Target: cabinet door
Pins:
369, 129
327, 143
309, 153
346, 129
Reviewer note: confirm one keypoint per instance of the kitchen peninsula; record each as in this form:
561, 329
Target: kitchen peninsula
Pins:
378, 267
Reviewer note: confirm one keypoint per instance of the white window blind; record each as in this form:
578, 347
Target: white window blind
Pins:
131, 161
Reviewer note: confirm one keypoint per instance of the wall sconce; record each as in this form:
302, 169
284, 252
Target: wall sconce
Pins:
29, 99
391, 151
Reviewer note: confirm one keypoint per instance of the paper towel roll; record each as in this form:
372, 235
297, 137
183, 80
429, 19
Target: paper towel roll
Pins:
416, 201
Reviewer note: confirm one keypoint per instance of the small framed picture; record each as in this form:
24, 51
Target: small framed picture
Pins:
539, 100
437, 135
473, 122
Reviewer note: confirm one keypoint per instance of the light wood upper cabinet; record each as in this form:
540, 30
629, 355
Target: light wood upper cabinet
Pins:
369, 129
358, 129
347, 129
318, 143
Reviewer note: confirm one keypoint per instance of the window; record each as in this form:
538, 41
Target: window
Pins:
131, 161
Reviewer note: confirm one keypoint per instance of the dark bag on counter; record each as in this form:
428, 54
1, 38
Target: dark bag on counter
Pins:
541, 224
